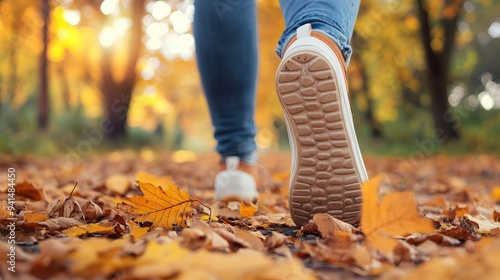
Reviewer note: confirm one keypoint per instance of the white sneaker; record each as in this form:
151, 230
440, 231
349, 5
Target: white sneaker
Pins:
235, 182
327, 166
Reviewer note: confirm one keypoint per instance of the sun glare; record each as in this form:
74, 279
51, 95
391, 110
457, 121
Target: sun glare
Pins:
109, 6
107, 37
72, 17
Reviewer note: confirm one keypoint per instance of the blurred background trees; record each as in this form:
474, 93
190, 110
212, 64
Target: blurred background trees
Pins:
124, 69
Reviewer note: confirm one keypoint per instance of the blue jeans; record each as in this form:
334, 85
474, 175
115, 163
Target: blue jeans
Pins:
225, 34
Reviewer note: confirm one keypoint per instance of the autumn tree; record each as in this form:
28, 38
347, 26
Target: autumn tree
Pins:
438, 51
117, 93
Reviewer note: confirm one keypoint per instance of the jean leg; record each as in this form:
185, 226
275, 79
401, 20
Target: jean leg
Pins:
334, 18
225, 34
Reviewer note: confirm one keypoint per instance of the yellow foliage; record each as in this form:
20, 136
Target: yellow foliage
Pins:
247, 209
162, 206
395, 214
35, 217
76, 231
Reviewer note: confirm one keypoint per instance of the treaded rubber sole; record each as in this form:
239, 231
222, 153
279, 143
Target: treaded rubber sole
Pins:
325, 178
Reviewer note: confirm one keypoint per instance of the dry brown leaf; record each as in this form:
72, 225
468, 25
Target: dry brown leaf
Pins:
481, 264
233, 240
327, 225
460, 233
60, 223
404, 252
162, 206
395, 214
438, 238
91, 211
117, 183
213, 239
275, 240
27, 190
67, 207
484, 226
253, 240
496, 215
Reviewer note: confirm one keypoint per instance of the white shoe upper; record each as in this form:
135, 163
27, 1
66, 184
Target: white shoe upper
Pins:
233, 183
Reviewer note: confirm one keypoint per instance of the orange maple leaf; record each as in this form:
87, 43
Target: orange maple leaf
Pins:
395, 214
163, 207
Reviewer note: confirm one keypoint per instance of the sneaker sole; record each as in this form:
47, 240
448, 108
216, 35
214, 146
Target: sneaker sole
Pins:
327, 167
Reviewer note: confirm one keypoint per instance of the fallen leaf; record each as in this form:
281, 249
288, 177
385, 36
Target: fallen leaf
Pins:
60, 223
162, 206
495, 193
117, 183
35, 217
328, 225
275, 240
484, 226
406, 252
254, 241
213, 239
136, 231
77, 231
67, 207
91, 211
438, 238
309, 228
395, 214
461, 210
247, 209
27, 190
233, 240
481, 264
5, 213
496, 216
202, 264
459, 233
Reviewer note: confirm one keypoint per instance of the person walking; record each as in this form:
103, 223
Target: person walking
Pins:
311, 83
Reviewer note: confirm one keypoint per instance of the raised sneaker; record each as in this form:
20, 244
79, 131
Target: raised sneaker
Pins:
327, 167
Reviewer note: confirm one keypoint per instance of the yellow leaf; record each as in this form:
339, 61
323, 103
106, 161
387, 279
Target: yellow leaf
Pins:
395, 214
86, 229
5, 213
35, 217
162, 206
495, 193
117, 183
208, 217
247, 209
136, 231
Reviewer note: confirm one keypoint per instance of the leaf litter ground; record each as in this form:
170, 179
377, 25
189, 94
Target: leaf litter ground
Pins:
143, 216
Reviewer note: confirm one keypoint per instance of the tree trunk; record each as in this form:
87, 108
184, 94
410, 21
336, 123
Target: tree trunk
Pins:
43, 102
66, 94
438, 64
117, 94
376, 132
